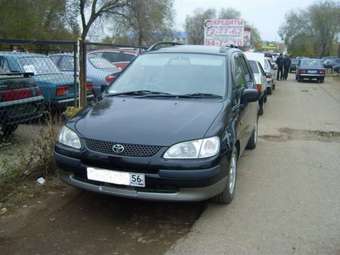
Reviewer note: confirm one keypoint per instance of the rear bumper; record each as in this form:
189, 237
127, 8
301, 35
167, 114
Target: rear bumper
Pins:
164, 184
312, 75
21, 111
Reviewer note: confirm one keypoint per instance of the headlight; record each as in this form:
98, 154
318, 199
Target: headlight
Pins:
69, 138
203, 148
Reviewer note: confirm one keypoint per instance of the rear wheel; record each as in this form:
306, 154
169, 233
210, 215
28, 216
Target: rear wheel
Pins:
261, 106
269, 91
227, 194
253, 139
7, 130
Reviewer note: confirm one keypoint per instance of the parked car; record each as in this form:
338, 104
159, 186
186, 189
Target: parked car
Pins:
293, 65
119, 58
172, 127
261, 83
330, 62
336, 68
310, 68
100, 72
57, 88
260, 57
21, 101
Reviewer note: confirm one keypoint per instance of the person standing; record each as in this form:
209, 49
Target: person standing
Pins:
279, 62
286, 65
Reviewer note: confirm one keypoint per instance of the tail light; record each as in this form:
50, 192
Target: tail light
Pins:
322, 72
259, 88
89, 86
110, 78
300, 71
11, 95
62, 91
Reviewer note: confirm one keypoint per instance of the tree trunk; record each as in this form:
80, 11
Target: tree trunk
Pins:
82, 73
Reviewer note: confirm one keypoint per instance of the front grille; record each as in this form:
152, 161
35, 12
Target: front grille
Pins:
130, 150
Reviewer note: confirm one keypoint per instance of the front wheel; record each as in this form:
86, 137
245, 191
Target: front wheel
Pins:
227, 194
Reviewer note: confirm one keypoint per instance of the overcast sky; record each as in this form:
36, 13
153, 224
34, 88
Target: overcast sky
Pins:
266, 15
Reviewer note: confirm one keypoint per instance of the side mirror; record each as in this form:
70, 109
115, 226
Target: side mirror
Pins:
250, 95
97, 92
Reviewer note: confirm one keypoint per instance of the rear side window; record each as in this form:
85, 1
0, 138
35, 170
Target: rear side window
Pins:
4, 66
254, 66
239, 72
66, 63
101, 63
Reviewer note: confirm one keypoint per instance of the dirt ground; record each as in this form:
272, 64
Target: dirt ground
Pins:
287, 198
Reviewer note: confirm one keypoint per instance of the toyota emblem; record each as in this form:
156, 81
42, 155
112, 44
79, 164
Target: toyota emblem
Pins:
118, 148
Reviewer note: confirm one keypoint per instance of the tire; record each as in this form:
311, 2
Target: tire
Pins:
7, 130
274, 86
261, 107
253, 139
227, 195
269, 91
321, 80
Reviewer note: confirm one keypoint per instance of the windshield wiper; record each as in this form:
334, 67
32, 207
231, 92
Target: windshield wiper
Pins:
140, 93
199, 95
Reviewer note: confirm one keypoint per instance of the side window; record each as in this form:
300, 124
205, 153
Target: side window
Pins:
247, 71
66, 63
4, 66
111, 56
261, 69
239, 74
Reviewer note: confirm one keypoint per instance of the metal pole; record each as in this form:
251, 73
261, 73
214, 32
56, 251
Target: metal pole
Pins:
75, 73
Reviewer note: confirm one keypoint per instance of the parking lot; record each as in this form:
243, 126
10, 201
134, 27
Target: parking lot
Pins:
287, 197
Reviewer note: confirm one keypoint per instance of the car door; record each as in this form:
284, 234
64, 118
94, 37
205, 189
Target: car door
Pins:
240, 83
248, 111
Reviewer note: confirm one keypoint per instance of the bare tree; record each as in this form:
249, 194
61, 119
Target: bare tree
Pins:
96, 9
194, 25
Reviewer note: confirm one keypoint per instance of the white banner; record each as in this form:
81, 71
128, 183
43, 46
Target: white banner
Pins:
224, 32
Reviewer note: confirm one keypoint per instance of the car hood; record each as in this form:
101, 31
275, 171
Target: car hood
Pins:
148, 121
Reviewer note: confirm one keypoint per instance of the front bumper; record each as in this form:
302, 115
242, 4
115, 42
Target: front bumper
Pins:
164, 183
183, 194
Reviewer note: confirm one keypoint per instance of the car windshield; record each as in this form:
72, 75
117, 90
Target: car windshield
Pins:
254, 66
38, 65
174, 73
101, 63
311, 63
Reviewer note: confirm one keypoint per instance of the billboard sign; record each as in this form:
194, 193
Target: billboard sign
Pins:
224, 32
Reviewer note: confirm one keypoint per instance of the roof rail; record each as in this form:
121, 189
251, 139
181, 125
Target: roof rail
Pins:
158, 45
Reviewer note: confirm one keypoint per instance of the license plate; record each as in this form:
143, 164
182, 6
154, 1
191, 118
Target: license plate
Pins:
312, 71
116, 177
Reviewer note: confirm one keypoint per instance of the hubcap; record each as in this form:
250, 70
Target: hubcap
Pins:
232, 173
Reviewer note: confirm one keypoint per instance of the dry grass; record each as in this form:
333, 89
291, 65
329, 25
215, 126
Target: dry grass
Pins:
31, 161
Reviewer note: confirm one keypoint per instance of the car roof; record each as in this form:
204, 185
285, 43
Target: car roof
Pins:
197, 49
124, 51
21, 54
